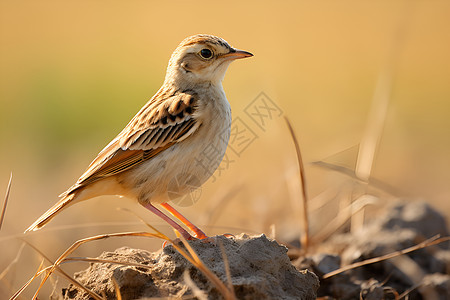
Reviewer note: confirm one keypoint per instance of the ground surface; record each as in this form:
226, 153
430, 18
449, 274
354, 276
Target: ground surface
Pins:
426, 272
259, 268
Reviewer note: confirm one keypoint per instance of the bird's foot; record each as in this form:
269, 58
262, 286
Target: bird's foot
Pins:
199, 235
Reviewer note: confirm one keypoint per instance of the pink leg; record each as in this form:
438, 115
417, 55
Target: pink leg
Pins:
171, 222
197, 231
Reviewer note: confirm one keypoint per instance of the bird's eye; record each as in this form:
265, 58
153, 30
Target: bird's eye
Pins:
206, 53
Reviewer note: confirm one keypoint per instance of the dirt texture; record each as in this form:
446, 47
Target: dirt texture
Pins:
424, 273
259, 267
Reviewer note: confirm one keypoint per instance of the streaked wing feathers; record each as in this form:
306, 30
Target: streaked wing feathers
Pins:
162, 122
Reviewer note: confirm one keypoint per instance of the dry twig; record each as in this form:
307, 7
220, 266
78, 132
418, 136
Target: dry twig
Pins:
305, 238
431, 241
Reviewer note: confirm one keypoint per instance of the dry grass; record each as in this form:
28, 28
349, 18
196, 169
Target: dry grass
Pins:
305, 237
46, 272
5, 202
430, 242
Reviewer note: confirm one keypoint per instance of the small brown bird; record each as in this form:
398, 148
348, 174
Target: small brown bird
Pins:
169, 139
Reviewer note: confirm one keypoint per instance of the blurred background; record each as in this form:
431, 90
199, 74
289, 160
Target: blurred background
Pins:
73, 74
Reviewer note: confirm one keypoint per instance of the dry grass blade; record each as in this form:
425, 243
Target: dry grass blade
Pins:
116, 289
81, 242
5, 202
381, 98
69, 278
159, 233
37, 274
13, 262
430, 242
104, 261
196, 292
392, 291
378, 184
196, 261
305, 238
324, 198
272, 232
378, 112
226, 265
341, 219
408, 291
78, 284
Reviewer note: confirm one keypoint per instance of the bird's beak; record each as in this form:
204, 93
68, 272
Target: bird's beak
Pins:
237, 54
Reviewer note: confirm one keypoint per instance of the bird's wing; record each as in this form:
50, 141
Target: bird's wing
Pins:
161, 123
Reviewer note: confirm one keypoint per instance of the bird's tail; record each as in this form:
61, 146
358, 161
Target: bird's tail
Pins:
49, 214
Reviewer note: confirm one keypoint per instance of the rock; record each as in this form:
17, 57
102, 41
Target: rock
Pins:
437, 286
259, 267
400, 226
326, 263
417, 216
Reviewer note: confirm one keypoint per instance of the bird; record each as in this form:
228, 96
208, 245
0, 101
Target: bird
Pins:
170, 137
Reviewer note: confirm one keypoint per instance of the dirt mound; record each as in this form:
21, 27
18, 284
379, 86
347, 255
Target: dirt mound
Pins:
259, 267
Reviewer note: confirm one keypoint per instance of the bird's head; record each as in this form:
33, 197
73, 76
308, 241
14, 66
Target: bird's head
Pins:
201, 58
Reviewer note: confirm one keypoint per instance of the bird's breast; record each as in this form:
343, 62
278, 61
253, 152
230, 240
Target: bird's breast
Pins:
185, 166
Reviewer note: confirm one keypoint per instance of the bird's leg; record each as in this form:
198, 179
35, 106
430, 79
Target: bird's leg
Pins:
197, 231
171, 222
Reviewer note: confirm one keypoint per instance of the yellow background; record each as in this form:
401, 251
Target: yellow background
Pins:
73, 73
